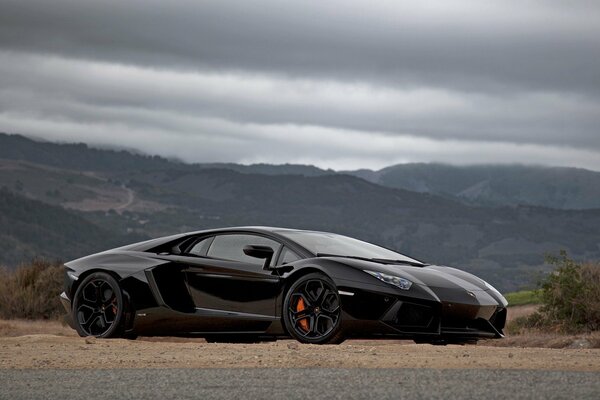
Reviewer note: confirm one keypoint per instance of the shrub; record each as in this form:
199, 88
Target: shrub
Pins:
570, 298
31, 291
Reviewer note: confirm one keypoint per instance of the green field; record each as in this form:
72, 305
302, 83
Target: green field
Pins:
523, 297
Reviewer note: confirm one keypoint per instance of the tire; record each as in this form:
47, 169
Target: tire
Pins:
312, 310
98, 307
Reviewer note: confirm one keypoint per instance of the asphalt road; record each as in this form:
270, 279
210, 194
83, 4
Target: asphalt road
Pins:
263, 383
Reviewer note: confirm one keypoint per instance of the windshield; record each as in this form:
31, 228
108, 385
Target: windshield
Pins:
333, 244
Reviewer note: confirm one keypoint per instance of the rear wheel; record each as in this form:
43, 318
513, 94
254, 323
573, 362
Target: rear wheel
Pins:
98, 306
312, 310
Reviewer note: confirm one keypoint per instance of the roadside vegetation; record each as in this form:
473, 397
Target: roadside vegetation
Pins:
31, 291
569, 299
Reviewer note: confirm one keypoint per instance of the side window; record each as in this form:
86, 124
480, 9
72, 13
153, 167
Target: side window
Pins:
287, 256
231, 247
201, 247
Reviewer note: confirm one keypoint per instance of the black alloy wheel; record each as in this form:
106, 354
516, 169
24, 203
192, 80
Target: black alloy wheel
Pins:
98, 306
312, 310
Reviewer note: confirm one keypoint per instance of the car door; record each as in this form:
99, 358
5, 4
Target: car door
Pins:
222, 279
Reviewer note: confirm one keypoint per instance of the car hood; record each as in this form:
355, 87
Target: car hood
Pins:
432, 276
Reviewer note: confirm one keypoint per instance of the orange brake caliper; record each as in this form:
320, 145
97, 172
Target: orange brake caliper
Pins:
300, 306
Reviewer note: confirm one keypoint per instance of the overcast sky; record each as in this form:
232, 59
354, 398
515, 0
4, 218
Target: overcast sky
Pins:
337, 83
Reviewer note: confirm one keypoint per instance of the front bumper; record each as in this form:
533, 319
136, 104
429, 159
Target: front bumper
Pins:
452, 316
462, 322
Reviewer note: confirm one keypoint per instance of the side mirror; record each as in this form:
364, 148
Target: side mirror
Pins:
257, 251
176, 251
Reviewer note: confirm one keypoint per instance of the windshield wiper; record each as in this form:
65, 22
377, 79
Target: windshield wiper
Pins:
378, 260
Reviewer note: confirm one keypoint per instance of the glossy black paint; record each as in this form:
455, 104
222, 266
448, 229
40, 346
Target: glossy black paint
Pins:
171, 292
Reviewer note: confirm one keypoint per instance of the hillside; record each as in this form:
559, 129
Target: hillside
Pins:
77, 156
481, 185
155, 197
496, 185
33, 229
80, 157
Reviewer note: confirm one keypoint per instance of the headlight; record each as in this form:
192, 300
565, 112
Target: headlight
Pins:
401, 283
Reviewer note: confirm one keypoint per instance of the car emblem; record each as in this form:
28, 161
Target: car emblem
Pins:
471, 294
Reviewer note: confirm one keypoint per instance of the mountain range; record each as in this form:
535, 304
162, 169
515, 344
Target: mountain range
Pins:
66, 200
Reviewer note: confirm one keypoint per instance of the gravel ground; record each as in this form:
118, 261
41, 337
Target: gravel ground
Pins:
298, 384
52, 351
57, 364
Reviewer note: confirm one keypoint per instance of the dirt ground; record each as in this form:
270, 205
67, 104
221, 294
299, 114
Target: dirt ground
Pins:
38, 344
520, 311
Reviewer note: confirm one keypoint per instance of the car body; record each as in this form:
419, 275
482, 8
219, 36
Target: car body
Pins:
264, 282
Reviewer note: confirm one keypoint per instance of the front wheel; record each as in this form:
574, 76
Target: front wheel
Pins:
98, 306
312, 310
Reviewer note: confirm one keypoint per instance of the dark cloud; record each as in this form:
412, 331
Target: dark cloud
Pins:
537, 44
501, 75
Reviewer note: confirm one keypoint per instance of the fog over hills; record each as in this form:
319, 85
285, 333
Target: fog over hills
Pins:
497, 221
494, 185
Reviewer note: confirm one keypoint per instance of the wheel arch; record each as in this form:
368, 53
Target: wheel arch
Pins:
292, 278
295, 275
89, 272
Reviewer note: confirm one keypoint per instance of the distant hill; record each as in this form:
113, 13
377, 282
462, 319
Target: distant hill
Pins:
86, 198
496, 185
76, 156
33, 229
270, 169
79, 156
485, 185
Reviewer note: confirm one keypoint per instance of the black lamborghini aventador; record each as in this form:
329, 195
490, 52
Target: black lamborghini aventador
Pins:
259, 283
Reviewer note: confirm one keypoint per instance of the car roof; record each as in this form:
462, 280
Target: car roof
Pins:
266, 229
152, 243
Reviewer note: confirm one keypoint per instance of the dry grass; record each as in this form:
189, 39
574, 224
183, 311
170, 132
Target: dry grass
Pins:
19, 327
549, 340
521, 311
529, 337
31, 291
